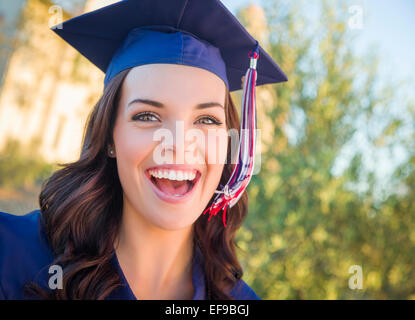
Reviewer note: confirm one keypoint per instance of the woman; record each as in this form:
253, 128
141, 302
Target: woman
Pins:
119, 223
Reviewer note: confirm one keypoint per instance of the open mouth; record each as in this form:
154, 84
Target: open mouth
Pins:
173, 184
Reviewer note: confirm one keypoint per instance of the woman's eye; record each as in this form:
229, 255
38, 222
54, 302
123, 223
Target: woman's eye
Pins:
210, 121
149, 117
145, 117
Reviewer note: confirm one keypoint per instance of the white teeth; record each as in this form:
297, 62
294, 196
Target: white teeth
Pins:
180, 176
173, 174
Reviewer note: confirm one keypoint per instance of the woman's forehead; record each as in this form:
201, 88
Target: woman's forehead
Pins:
173, 82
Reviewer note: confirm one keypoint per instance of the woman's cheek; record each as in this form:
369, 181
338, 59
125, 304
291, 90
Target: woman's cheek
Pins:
216, 153
216, 148
134, 151
135, 146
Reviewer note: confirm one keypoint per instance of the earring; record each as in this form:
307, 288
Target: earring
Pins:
111, 152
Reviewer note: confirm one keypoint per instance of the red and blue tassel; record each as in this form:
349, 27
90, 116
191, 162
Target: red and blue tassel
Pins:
242, 172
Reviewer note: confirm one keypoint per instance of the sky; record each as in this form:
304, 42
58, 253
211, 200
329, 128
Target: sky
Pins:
388, 24
391, 24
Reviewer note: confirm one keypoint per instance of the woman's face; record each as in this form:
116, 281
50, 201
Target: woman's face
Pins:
169, 120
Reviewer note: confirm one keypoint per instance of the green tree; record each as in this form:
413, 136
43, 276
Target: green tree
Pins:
307, 225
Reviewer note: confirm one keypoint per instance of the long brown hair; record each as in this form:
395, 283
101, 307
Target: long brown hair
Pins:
81, 207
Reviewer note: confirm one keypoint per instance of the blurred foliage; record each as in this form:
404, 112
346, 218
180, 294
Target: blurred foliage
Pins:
306, 226
22, 167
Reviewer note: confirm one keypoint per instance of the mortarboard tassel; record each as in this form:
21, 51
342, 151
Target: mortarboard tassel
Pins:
242, 171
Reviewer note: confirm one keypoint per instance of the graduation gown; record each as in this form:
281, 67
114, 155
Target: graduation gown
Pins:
25, 255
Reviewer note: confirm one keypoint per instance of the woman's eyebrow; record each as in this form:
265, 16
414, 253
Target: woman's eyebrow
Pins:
160, 105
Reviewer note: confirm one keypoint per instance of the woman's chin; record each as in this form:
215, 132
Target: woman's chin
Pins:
171, 219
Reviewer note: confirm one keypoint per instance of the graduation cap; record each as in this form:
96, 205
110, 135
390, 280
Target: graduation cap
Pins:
199, 33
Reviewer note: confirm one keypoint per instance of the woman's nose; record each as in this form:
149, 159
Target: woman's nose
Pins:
183, 142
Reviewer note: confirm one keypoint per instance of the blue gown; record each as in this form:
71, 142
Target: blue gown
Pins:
25, 255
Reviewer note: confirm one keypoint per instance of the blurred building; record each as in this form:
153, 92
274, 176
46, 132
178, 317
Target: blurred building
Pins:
48, 87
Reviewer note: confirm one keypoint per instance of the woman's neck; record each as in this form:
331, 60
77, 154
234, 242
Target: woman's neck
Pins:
157, 263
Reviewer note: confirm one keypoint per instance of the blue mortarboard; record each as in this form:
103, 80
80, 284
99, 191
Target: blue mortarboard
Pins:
200, 33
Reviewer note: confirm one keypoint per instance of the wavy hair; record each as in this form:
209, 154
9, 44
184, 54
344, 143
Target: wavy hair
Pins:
81, 208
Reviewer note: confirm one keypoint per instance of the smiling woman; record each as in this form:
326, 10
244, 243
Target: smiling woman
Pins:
118, 222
